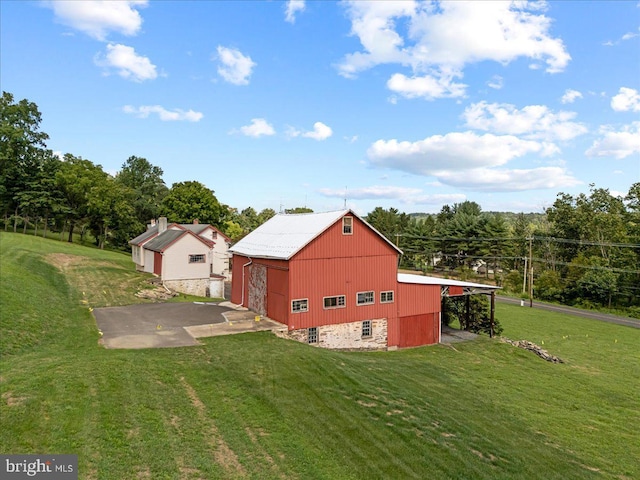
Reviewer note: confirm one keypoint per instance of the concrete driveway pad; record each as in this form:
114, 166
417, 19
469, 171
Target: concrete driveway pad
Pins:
156, 325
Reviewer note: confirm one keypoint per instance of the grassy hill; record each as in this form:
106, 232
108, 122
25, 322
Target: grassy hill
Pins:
256, 406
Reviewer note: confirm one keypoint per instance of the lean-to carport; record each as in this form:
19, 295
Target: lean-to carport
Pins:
455, 288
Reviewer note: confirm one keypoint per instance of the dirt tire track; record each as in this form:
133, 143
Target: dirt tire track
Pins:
222, 453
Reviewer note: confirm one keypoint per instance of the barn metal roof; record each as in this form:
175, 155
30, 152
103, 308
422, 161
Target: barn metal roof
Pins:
284, 235
468, 287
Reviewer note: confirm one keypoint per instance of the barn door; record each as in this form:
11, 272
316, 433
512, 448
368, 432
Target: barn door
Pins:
258, 289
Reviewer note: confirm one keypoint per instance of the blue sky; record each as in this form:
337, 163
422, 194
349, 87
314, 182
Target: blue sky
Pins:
411, 105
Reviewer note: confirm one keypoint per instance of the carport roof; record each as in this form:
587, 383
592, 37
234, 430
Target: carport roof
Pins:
468, 287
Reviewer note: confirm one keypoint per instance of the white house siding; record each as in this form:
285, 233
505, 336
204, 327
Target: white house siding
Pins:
137, 255
176, 266
147, 265
221, 257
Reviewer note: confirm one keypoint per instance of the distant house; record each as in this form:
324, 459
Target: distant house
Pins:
332, 279
188, 258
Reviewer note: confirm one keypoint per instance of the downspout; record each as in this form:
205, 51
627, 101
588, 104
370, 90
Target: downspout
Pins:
243, 267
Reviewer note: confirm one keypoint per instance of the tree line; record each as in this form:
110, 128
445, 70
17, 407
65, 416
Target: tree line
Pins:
40, 191
584, 249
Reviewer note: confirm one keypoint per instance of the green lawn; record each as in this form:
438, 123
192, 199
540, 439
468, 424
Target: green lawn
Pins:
256, 406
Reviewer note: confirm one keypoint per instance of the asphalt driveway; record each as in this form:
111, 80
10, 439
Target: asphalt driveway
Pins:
173, 324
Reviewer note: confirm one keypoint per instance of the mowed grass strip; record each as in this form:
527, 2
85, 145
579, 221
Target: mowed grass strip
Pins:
256, 406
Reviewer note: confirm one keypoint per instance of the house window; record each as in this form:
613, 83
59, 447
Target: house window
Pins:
347, 225
386, 297
198, 258
365, 298
298, 306
312, 335
366, 328
214, 235
334, 302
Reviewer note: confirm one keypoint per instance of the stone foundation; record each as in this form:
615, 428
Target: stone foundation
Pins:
213, 288
347, 336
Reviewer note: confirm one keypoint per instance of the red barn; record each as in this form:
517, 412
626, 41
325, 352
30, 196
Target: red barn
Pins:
333, 280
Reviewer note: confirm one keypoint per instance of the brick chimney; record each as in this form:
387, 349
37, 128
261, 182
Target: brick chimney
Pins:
196, 221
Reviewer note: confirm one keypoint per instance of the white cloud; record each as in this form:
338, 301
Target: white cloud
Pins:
165, 115
373, 192
627, 99
453, 151
496, 82
442, 37
127, 63
320, 132
570, 96
235, 67
97, 18
505, 180
405, 195
623, 38
532, 121
259, 127
293, 7
617, 144
428, 87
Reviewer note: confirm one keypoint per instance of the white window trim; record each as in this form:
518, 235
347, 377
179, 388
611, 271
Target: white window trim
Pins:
393, 296
370, 329
203, 255
324, 305
306, 309
317, 335
373, 298
350, 226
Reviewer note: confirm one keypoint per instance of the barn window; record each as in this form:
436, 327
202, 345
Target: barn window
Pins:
347, 225
365, 298
335, 302
312, 335
199, 258
298, 306
366, 328
386, 297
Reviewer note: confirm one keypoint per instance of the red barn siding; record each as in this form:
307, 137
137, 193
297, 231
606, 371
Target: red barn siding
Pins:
416, 299
393, 332
455, 291
324, 277
278, 304
276, 282
333, 244
416, 330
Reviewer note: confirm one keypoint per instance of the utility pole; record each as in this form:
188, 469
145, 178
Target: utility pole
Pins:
524, 276
530, 272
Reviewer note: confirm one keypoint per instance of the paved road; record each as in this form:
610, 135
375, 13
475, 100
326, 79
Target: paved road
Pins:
605, 317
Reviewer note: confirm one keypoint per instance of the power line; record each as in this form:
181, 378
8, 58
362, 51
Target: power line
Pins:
518, 239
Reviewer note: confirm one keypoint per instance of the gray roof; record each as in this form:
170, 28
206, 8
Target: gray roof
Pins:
284, 235
143, 237
197, 228
163, 240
